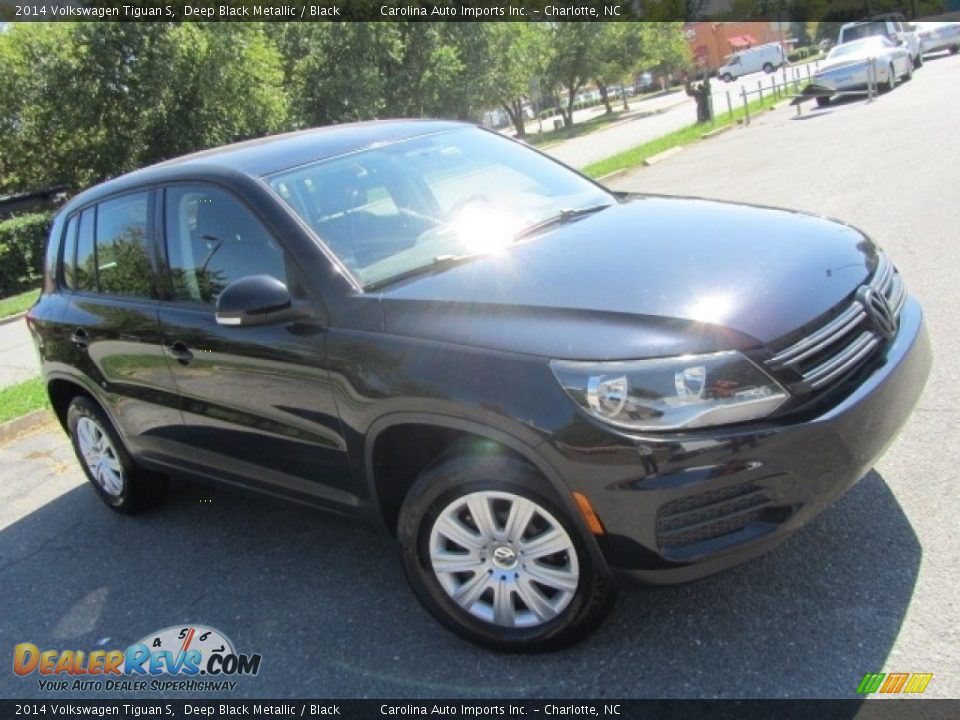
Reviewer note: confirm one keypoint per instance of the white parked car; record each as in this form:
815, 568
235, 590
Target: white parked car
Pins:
937, 36
846, 68
763, 57
893, 27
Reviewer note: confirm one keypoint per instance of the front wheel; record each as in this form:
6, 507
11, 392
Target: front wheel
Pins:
768, 68
891, 82
823, 100
108, 466
493, 557
917, 61
727, 77
954, 49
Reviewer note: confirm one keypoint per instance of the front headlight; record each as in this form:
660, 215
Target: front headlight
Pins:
676, 393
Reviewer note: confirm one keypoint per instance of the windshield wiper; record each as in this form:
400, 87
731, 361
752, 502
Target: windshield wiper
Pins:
440, 262
561, 218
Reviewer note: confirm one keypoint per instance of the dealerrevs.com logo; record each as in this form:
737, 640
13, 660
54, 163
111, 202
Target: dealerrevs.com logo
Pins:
193, 658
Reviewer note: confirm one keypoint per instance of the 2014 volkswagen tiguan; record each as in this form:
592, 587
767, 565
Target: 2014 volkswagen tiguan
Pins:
531, 381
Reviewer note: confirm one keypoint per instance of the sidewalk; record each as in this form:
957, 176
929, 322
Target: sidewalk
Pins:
18, 356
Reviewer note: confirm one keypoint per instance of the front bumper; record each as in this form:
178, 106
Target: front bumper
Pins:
851, 79
679, 507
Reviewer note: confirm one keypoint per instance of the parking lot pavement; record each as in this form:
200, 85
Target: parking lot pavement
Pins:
868, 586
18, 356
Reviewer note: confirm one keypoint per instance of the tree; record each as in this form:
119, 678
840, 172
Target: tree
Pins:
82, 102
617, 55
503, 59
573, 62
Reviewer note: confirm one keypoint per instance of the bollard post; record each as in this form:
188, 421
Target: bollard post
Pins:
808, 72
729, 107
746, 109
760, 89
773, 87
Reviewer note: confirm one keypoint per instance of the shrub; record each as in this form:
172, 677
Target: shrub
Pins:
22, 240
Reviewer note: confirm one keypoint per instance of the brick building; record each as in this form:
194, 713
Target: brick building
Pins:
712, 42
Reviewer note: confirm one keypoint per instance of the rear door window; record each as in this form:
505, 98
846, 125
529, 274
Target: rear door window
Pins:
124, 266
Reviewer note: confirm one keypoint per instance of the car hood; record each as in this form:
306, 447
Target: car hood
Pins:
650, 276
851, 60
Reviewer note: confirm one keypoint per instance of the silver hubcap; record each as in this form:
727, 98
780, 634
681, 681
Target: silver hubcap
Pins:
100, 456
504, 559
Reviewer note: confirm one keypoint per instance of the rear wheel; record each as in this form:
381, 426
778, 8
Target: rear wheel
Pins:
917, 61
954, 49
493, 557
727, 77
108, 466
908, 75
823, 101
768, 68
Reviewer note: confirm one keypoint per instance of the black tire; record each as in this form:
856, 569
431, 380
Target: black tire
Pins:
823, 100
768, 68
139, 490
727, 77
440, 488
917, 62
954, 49
908, 75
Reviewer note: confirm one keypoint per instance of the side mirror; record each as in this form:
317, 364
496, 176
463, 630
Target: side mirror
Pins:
255, 300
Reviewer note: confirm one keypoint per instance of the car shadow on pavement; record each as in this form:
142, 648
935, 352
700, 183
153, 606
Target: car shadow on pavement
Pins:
326, 605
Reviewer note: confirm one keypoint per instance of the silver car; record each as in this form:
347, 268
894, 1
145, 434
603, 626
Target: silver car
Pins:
846, 68
937, 36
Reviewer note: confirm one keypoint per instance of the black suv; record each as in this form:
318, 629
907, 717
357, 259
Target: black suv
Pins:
531, 381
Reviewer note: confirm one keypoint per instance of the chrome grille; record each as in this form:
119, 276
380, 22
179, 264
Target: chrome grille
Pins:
842, 344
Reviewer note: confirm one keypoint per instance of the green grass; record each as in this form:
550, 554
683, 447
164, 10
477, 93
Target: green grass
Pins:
18, 303
635, 156
24, 397
548, 137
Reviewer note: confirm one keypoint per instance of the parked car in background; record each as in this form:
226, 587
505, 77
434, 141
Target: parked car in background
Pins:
644, 82
893, 27
527, 379
938, 36
846, 68
763, 57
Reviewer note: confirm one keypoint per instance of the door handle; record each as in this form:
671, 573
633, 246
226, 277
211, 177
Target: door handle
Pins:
80, 338
180, 352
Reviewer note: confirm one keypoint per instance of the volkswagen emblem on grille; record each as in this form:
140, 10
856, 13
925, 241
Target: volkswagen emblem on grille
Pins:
878, 311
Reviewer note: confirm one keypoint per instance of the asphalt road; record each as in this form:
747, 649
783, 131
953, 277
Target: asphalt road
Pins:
869, 586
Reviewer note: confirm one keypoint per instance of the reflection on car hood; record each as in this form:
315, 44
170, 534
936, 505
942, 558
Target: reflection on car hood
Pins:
650, 276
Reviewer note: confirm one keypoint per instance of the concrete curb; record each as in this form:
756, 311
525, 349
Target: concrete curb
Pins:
714, 133
13, 318
611, 176
25, 423
659, 157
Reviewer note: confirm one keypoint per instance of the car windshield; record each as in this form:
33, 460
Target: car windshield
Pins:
864, 30
391, 211
872, 44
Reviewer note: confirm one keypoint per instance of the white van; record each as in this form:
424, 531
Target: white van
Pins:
763, 57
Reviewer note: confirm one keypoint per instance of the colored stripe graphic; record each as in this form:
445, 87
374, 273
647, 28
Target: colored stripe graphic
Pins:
891, 683
895, 682
918, 682
870, 683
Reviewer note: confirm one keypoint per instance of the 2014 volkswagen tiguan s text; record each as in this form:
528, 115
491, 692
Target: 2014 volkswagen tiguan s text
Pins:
534, 383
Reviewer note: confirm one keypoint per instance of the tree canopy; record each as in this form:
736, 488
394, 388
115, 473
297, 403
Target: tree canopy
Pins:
82, 102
